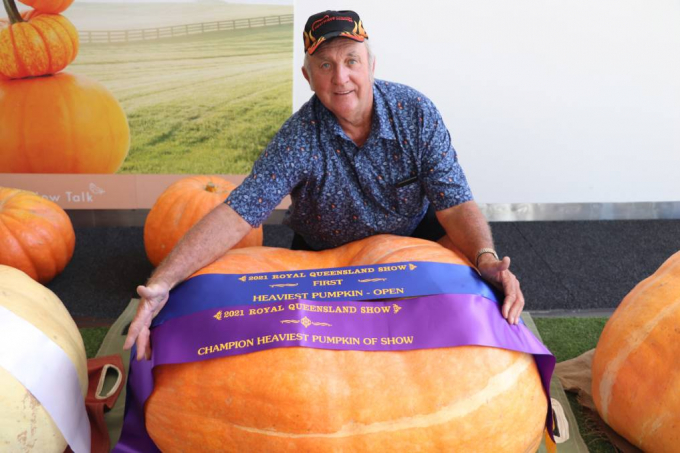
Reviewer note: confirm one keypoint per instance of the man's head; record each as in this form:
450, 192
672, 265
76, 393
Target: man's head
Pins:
340, 71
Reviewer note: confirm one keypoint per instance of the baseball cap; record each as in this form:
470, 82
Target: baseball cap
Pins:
327, 25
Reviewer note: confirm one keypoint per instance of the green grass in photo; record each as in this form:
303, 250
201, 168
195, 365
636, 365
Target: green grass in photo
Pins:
204, 103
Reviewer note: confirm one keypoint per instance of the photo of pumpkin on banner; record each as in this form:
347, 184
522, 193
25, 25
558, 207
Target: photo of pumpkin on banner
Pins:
140, 88
75, 125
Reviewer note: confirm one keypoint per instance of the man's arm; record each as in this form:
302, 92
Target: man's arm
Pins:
467, 229
206, 241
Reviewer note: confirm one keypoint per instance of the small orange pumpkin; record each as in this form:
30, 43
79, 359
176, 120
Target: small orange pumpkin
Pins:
36, 235
48, 6
636, 366
63, 123
179, 207
35, 44
302, 399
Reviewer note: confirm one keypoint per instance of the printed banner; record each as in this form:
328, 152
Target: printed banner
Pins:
380, 281
214, 327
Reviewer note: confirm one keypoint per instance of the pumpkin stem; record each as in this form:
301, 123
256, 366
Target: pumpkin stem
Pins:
210, 187
12, 12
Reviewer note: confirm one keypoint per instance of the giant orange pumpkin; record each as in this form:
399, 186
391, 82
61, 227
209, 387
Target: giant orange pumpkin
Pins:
63, 123
48, 6
36, 235
463, 399
25, 425
35, 44
179, 207
636, 366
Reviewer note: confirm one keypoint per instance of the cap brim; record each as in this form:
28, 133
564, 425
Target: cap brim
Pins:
331, 35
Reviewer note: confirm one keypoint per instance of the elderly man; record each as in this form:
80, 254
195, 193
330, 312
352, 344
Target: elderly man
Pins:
362, 157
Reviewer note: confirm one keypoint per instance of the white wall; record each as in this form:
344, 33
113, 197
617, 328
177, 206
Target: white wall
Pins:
547, 101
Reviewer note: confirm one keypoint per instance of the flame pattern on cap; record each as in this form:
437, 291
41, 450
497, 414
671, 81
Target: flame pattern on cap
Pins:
357, 34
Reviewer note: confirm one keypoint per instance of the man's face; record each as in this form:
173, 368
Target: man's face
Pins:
340, 75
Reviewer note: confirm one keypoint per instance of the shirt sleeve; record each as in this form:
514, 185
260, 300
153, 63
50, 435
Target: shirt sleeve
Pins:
275, 173
443, 178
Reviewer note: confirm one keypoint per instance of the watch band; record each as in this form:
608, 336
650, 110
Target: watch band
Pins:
482, 252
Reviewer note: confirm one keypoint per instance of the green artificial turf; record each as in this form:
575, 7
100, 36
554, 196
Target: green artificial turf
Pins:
568, 338
93, 337
565, 337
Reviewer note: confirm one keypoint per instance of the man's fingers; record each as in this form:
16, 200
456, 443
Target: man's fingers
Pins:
507, 305
514, 300
133, 331
141, 321
153, 299
516, 304
143, 344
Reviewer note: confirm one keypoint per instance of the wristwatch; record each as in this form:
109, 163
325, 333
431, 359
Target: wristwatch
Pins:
482, 252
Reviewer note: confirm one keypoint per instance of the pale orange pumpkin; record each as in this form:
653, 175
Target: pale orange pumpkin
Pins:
48, 6
302, 399
636, 366
36, 235
179, 207
63, 123
35, 44
25, 425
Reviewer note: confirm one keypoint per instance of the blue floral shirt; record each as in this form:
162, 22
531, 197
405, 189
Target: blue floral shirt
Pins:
341, 192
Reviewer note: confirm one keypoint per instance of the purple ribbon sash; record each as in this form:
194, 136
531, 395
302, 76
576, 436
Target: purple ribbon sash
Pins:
444, 320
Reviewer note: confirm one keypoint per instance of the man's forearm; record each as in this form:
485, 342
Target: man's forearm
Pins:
206, 241
467, 228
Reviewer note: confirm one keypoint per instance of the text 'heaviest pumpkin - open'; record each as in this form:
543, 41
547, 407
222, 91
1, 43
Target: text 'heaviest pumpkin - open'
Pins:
461, 399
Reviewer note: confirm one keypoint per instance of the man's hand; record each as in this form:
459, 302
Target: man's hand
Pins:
154, 297
498, 274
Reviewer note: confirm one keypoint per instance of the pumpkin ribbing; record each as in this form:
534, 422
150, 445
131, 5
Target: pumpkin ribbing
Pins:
636, 377
35, 44
180, 207
292, 399
36, 235
72, 124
